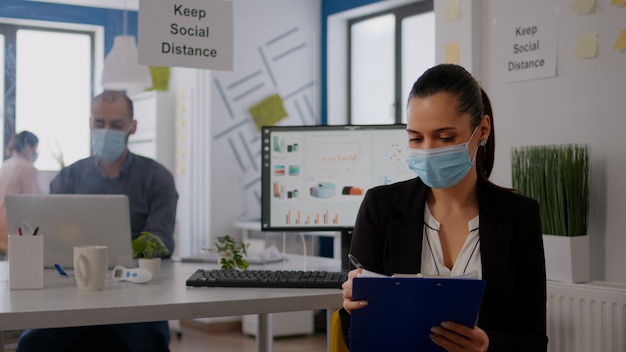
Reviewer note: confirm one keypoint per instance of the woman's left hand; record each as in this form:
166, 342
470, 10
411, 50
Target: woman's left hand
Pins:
456, 337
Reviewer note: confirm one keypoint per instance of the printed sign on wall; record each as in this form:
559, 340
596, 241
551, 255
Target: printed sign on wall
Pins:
525, 48
186, 33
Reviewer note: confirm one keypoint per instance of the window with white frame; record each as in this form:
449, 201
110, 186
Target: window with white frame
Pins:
388, 50
48, 85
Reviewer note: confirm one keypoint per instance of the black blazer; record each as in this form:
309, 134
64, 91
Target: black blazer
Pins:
387, 238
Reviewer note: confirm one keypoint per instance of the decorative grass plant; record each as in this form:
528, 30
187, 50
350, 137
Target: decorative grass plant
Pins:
557, 176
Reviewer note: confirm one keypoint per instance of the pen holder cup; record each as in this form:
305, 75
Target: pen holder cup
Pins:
25, 256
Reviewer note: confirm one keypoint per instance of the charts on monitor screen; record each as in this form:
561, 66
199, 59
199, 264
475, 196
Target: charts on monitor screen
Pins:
315, 177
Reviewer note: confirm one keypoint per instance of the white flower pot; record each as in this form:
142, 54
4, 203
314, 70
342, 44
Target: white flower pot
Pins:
567, 258
153, 265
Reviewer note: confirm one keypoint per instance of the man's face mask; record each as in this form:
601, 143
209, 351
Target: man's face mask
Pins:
108, 144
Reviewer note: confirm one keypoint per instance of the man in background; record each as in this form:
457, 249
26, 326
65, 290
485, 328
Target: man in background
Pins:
113, 169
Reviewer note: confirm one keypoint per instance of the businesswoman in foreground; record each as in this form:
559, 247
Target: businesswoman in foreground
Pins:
452, 221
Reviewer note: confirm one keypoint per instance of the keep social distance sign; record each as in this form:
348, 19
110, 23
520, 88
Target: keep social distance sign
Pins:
525, 48
186, 33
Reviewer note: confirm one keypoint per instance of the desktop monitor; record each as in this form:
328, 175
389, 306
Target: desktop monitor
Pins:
314, 178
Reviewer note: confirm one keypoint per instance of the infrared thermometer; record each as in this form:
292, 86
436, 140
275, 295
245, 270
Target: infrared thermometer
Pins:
136, 275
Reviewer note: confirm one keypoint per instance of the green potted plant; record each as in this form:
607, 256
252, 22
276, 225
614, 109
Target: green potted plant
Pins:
557, 176
149, 249
231, 253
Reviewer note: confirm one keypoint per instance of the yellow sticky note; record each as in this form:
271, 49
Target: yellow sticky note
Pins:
452, 53
618, 2
268, 112
587, 47
451, 10
160, 77
583, 6
620, 43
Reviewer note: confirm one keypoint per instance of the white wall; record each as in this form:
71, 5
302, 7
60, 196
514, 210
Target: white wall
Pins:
584, 103
276, 51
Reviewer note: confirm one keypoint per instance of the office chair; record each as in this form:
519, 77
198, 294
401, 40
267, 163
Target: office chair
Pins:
337, 343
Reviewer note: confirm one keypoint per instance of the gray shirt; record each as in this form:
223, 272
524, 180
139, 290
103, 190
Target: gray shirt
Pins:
149, 186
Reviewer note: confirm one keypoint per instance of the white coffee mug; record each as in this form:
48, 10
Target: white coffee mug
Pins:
90, 267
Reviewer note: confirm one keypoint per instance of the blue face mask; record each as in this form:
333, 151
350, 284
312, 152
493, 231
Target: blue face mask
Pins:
108, 144
441, 167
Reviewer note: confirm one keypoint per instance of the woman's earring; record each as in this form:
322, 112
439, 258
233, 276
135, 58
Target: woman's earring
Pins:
483, 142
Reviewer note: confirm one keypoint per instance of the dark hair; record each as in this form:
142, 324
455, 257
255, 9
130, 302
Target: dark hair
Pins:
22, 140
471, 99
111, 96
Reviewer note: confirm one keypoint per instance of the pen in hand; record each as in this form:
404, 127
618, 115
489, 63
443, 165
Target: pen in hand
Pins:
364, 272
354, 261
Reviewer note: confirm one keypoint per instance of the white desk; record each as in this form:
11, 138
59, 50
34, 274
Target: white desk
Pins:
60, 304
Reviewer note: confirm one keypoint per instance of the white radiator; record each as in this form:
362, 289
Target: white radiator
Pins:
589, 317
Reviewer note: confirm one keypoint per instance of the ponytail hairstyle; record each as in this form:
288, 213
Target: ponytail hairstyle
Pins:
20, 141
471, 100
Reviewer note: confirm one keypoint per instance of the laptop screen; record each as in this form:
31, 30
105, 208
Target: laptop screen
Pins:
68, 220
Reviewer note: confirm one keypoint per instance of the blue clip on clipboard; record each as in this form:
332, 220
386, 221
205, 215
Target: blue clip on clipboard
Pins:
401, 311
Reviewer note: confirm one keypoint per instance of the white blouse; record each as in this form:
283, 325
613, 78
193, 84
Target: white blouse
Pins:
468, 262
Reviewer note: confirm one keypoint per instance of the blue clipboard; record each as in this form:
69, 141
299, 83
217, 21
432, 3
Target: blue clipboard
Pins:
401, 311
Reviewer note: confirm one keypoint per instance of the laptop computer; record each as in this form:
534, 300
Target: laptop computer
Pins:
68, 220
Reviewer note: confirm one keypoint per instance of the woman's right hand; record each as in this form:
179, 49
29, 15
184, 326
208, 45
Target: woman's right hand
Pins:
348, 303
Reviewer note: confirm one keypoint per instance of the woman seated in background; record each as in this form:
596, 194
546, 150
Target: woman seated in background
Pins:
17, 176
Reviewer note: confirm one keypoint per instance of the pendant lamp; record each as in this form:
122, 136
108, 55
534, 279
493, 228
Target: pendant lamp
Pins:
121, 70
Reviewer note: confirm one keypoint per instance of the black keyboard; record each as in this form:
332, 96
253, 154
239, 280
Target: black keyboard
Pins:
267, 278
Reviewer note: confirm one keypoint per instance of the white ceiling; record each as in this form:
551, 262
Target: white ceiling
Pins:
111, 4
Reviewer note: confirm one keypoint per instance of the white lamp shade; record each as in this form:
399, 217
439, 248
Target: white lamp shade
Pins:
121, 71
